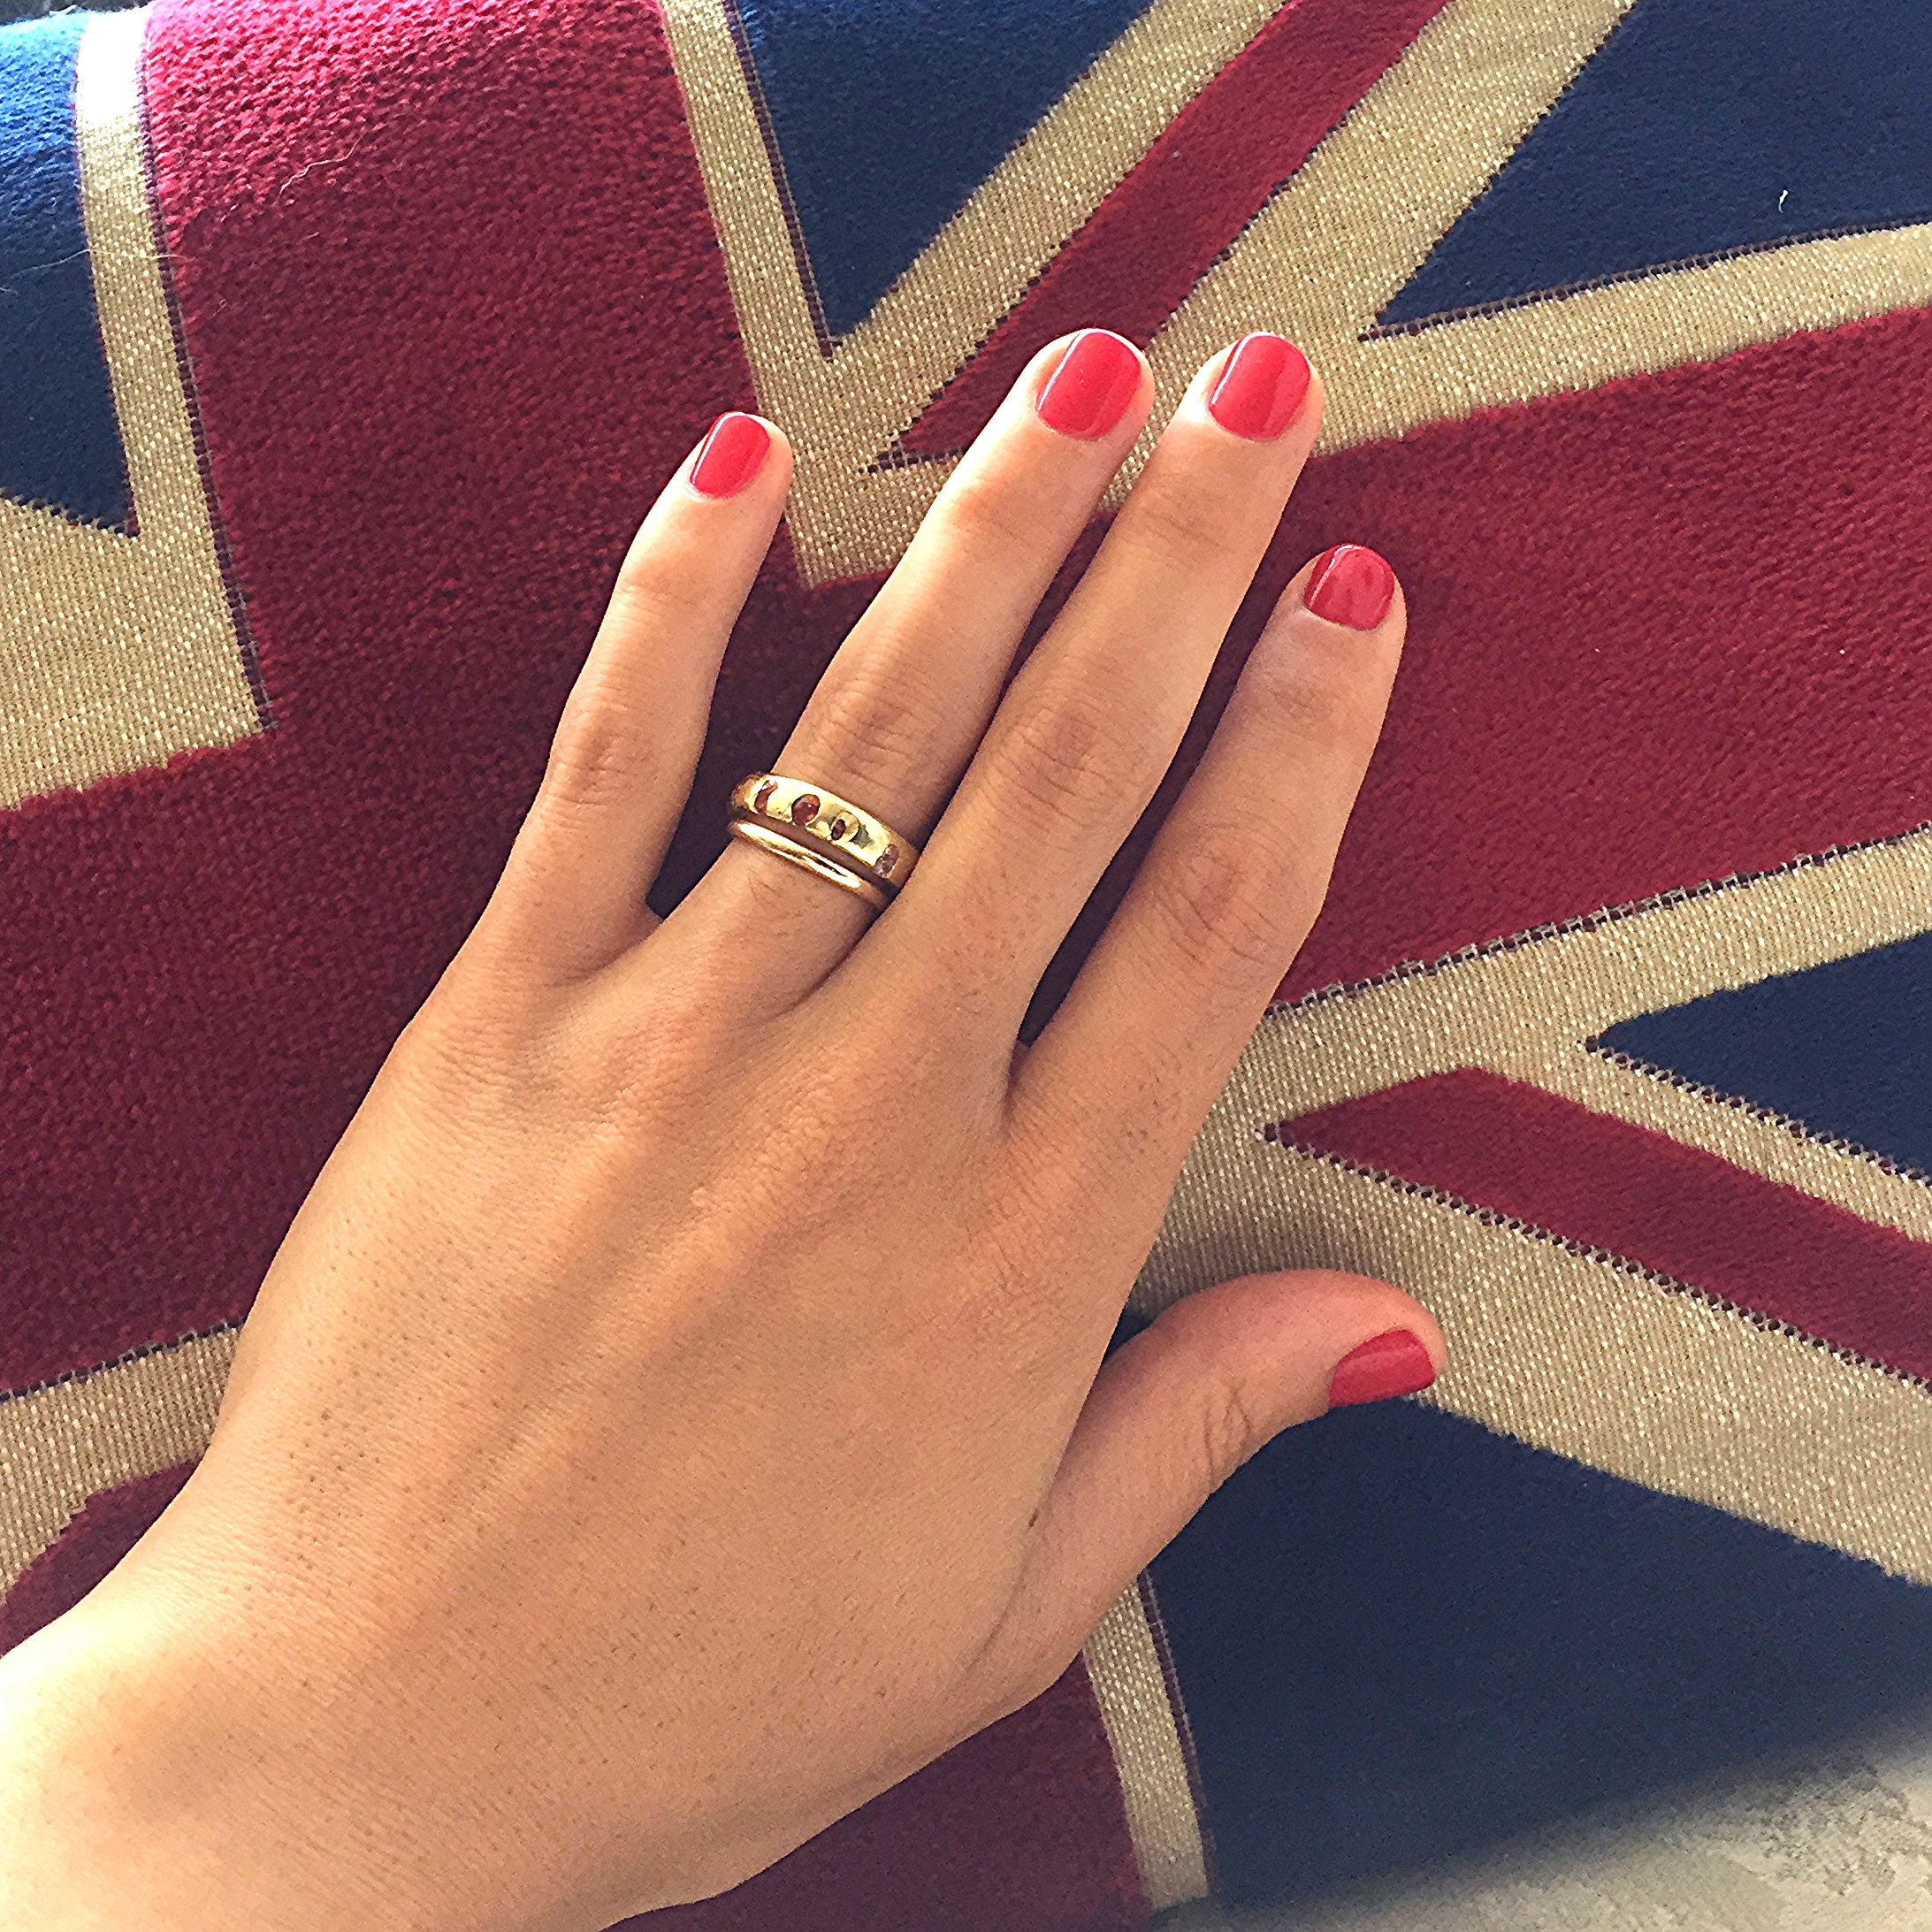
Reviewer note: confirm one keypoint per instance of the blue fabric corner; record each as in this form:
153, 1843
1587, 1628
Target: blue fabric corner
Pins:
59, 442
1846, 1048
1399, 1636
1701, 127
888, 114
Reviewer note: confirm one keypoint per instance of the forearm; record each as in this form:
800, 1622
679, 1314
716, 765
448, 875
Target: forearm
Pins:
164, 1769
129, 1802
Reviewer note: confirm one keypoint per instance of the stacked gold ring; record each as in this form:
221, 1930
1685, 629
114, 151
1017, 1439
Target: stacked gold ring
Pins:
816, 828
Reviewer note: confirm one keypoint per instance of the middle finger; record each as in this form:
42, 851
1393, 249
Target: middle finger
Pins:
1092, 721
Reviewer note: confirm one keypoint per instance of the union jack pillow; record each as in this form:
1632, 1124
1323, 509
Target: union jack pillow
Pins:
342, 342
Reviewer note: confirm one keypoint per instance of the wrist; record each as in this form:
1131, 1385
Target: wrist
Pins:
132, 1798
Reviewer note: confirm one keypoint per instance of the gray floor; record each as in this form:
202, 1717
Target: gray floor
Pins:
1841, 1842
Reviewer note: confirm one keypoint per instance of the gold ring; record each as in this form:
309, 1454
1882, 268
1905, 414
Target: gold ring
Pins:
830, 835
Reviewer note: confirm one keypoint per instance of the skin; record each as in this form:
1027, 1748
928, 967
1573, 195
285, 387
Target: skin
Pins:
678, 1411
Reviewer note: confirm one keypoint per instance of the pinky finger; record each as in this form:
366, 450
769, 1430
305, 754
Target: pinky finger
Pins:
571, 897
1161, 1009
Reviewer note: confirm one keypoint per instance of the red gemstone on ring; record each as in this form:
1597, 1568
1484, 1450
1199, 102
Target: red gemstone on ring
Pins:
805, 808
886, 860
761, 798
839, 827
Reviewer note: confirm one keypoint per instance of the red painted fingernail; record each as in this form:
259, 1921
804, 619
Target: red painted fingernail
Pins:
1392, 1364
1091, 390
732, 453
1261, 388
1350, 585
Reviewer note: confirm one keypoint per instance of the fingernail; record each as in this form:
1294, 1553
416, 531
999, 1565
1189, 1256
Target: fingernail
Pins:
1260, 388
1350, 585
1091, 390
1391, 1364
732, 453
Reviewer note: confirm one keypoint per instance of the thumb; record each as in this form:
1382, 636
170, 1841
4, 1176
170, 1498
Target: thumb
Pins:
1174, 1412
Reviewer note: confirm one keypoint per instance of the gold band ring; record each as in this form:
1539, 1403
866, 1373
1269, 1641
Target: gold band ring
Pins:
816, 828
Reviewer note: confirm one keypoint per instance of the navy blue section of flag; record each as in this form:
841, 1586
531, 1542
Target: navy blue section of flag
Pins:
887, 116
1845, 1048
59, 443
1399, 1636
1701, 127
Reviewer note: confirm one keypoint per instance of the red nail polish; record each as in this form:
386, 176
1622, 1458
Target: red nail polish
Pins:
732, 453
1089, 392
1260, 388
1391, 1364
1350, 585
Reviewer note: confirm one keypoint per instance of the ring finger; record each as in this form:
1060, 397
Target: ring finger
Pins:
904, 703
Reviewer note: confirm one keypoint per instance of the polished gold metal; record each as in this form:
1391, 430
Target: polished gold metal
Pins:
830, 835
781, 844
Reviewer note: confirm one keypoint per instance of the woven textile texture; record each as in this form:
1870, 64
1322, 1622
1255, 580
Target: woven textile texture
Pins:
342, 343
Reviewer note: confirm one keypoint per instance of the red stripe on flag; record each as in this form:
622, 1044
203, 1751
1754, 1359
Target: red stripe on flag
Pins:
1180, 205
107, 1526
1606, 1184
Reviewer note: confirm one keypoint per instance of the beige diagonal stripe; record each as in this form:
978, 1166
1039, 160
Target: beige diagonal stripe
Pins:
1576, 1353
1524, 1011
1494, 1008
1329, 252
1573, 1352
61, 1444
1131, 1688
117, 652
1318, 263
1759, 1141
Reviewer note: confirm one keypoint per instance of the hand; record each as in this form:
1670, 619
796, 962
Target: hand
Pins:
678, 1411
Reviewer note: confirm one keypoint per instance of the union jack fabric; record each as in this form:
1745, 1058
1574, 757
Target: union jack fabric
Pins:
342, 342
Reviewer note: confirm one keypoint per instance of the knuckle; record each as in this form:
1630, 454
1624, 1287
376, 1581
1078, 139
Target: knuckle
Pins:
876, 725
986, 508
600, 758
651, 598
1327, 707
1231, 1430
1221, 906
1064, 756
1183, 529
